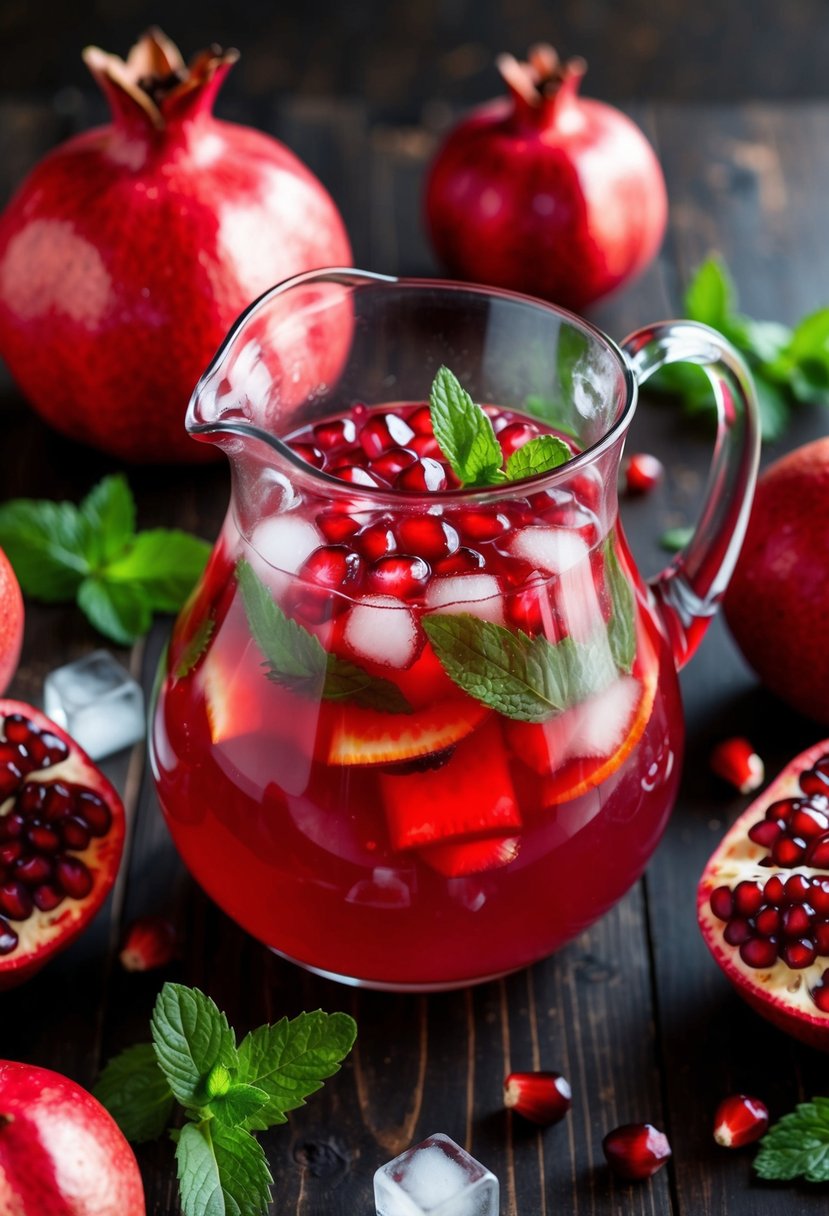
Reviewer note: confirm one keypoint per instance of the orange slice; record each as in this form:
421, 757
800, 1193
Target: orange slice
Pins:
368, 736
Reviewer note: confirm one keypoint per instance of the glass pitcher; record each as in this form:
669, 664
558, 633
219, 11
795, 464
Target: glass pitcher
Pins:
412, 735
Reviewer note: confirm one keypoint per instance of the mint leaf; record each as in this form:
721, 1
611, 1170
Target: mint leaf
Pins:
222, 1171
674, 539
109, 512
773, 409
621, 629
710, 296
464, 432
195, 647
528, 679
296, 659
797, 1146
134, 1090
120, 611
538, 456
291, 1059
164, 564
46, 543
238, 1104
191, 1035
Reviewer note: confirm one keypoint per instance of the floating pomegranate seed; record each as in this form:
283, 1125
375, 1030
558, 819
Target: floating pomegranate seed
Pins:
356, 475
530, 609
427, 536
420, 420
151, 942
339, 432
540, 1097
310, 454
515, 435
462, 561
376, 541
426, 446
642, 473
393, 462
636, 1150
16, 900
335, 567
73, 877
482, 525
736, 761
740, 1120
336, 526
384, 431
8, 938
401, 576
425, 474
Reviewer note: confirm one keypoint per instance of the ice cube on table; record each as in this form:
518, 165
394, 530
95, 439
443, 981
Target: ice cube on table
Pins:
97, 702
435, 1178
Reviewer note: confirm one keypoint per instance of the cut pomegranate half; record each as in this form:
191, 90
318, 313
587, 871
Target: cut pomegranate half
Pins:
763, 900
61, 838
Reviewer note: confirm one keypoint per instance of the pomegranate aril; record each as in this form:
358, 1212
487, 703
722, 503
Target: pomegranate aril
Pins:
33, 870
335, 567
151, 942
722, 902
75, 834
93, 811
47, 749
735, 761
12, 826
737, 931
399, 576
748, 898
816, 780
642, 473
310, 453
31, 797
515, 435
392, 462
375, 541
462, 561
819, 896
541, 1097
797, 921
740, 1120
774, 891
426, 446
820, 933
384, 431
482, 525
799, 954
16, 900
72, 876
47, 898
425, 474
356, 475
636, 1150
759, 952
808, 822
820, 993
788, 851
44, 839
57, 801
783, 809
8, 938
420, 420
339, 432
765, 832
798, 888
427, 536
10, 851
817, 854
336, 526
767, 922
18, 729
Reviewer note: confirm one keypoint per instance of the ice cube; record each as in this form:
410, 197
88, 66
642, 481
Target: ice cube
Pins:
435, 1178
383, 630
479, 594
97, 702
603, 720
285, 541
552, 549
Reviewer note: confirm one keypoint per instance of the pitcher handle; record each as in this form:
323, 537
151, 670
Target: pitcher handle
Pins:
690, 588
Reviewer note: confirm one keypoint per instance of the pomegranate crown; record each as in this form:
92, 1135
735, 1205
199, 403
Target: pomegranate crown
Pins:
543, 79
154, 84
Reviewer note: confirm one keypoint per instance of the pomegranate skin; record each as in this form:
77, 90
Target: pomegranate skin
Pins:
61, 1154
777, 604
562, 199
128, 252
11, 622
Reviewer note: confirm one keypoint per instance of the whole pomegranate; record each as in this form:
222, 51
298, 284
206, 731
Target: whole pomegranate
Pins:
128, 252
544, 191
11, 622
777, 604
61, 1154
61, 838
763, 900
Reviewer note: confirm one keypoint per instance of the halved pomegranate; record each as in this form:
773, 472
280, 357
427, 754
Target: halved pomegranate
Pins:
61, 838
763, 900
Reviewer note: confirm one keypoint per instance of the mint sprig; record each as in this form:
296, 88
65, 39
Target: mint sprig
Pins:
467, 439
228, 1091
797, 1146
296, 659
788, 365
92, 554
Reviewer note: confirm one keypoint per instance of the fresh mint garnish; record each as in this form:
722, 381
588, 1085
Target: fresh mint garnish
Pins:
621, 628
195, 647
525, 678
91, 553
674, 539
466, 438
227, 1091
788, 365
797, 1146
296, 659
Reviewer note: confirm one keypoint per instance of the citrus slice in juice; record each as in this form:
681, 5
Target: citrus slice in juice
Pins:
350, 735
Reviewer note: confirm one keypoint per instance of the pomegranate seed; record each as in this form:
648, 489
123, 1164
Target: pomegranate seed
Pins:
817, 854
93, 811
530, 609
375, 541
9, 852
642, 473
46, 898
420, 420
737, 931
18, 729
808, 822
309, 453
821, 935
401, 576
765, 832
427, 536
797, 889
815, 781
748, 898
819, 896
820, 994
8, 938
31, 797
774, 891
788, 851
740, 1120
43, 839
799, 954
462, 561
339, 432
736, 761
767, 922
540, 1097
11, 826
16, 901
426, 446
392, 462
47, 749
74, 834
515, 435
356, 475
482, 525
33, 870
73, 877
336, 526
151, 942
384, 431
722, 903
335, 567
425, 474
636, 1150
759, 952
797, 920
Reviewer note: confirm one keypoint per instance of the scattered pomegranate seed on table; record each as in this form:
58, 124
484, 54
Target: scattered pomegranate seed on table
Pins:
740, 1120
151, 942
736, 761
540, 1097
642, 473
636, 1151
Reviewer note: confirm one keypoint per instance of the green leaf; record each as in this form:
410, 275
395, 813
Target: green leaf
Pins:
621, 629
120, 611
772, 408
297, 660
238, 1105
196, 647
165, 564
674, 539
291, 1059
538, 456
109, 511
46, 543
797, 1146
711, 296
134, 1090
464, 432
765, 340
222, 1171
528, 679
191, 1036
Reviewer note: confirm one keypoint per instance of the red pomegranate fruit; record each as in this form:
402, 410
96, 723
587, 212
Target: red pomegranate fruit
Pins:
11, 622
544, 191
777, 604
61, 1154
61, 838
128, 252
763, 900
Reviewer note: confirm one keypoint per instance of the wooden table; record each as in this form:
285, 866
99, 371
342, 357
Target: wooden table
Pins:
634, 1012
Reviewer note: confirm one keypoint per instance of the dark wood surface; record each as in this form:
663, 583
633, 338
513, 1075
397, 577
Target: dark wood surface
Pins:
634, 1012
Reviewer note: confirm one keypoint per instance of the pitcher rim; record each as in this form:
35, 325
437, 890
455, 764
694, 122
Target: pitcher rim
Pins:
353, 276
